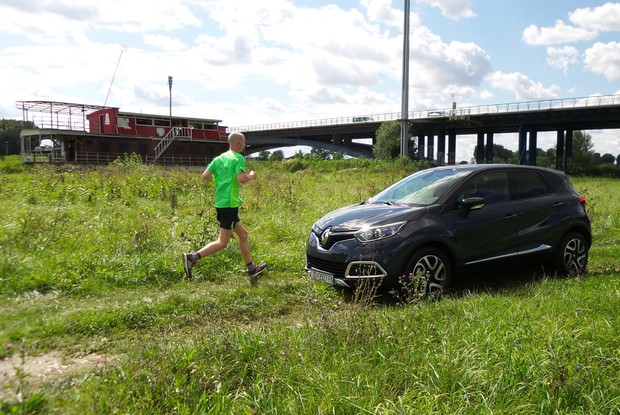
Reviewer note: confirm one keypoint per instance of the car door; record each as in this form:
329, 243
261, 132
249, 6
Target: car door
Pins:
536, 205
490, 233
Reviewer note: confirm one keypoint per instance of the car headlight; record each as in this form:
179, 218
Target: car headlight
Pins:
316, 229
375, 233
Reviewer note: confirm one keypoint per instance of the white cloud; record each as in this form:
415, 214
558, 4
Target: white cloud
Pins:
53, 21
486, 94
436, 65
382, 11
604, 58
562, 58
559, 33
165, 43
603, 18
523, 88
453, 9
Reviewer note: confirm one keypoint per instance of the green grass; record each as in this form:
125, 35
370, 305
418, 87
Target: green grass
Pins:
90, 267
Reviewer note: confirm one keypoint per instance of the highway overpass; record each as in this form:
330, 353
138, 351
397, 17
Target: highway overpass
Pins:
437, 130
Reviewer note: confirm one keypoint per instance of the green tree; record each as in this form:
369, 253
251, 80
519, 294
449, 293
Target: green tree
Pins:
318, 154
9, 135
583, 151
545, 158
387, 144
338, 155
263, 155
277, 155
607, 159
500, 153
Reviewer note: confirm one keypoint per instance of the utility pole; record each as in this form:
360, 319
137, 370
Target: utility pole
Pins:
404, 122
170, 89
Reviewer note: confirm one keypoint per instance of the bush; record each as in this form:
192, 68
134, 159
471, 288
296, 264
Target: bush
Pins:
12, 164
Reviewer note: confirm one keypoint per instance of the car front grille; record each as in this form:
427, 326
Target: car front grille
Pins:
335, 268
332, 238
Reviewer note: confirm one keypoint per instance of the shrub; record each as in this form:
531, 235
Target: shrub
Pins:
13, 164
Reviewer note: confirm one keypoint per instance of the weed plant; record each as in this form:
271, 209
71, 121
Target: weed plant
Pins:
91, 267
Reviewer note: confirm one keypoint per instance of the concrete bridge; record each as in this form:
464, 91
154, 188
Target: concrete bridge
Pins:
433, 129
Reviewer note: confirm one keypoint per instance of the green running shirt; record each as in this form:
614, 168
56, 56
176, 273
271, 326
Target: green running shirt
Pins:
225, 168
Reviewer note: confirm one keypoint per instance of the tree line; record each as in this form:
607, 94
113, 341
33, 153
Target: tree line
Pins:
9, 135
585, 160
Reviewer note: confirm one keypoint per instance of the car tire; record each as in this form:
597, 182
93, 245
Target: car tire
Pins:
572, 256
433, 267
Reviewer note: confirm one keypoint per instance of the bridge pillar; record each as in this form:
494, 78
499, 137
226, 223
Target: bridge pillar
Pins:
489, 155
421, 147
522, 144
441, 148
568, 151
559, 154
533, 146
430, 153
480, 148
452, 148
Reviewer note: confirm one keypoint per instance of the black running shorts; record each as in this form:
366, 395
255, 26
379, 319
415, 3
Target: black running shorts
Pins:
227, 217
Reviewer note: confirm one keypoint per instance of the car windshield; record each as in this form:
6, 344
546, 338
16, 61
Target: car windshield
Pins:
421, 188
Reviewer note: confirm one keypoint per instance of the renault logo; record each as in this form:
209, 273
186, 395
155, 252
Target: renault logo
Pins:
325, 236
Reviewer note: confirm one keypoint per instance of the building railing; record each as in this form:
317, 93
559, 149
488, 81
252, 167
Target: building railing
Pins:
175, 132
539, 105
180, 160
95, 158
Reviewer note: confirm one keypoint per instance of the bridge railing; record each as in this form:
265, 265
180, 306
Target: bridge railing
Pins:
539, 105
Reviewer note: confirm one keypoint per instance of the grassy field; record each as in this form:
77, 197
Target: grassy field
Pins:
97, 316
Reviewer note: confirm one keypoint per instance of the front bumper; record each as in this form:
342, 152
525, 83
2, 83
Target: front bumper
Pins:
367, 270
344, 265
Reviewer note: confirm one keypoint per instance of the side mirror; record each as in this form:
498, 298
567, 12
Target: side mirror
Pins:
472, 203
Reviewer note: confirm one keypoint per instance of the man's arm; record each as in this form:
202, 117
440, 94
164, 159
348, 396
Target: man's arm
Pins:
243, 177
207, 174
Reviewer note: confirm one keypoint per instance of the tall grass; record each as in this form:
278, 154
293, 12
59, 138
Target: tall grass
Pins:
90, 266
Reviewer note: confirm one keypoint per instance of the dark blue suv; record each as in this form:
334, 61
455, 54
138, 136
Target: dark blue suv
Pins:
443, 221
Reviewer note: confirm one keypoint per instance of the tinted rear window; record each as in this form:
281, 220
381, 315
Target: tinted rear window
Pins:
527, 184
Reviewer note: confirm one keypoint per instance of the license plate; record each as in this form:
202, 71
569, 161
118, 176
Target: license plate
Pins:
321, 276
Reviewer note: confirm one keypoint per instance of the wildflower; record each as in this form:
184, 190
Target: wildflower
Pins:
9, 346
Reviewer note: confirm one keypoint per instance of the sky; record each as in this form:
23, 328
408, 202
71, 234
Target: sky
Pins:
249, 62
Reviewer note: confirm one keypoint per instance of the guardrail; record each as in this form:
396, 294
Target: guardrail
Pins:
540, 105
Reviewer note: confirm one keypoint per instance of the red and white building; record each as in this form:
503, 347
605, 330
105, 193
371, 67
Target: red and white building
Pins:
93, 134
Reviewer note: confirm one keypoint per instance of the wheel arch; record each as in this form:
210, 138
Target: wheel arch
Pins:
580, 230
440, 245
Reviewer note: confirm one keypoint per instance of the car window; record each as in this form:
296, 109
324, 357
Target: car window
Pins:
422, 188
527, 184
492, 187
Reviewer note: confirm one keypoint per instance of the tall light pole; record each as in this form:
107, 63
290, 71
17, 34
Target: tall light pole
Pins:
404, 122
170, 89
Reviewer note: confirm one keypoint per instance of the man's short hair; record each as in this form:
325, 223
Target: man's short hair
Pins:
234, 137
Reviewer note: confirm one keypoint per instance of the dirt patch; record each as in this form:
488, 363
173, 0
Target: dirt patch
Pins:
37, 370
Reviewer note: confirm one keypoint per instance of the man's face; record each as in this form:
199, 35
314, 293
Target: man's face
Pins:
240, 145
